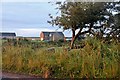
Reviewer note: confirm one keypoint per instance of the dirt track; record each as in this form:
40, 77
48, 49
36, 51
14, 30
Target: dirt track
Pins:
13, 75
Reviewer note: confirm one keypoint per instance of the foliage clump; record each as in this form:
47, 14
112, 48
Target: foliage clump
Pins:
96, 59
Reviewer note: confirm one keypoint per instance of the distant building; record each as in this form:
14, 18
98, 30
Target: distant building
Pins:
78, 38
68, 38
19, 37
51, 36
7, 35
32, 38
27, 38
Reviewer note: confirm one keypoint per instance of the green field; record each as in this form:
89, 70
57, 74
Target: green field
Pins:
96, 59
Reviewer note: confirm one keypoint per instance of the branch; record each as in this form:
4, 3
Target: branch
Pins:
79, 33
91, 25
85, 32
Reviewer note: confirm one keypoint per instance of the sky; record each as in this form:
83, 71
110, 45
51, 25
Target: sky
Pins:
28, 19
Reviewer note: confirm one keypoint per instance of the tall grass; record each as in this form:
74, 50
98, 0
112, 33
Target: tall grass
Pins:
95, 60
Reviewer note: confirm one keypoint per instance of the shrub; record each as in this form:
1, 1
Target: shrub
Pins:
95, 60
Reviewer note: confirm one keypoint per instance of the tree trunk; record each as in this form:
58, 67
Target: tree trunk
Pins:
79, 33
73, 40
73, 33
73, 36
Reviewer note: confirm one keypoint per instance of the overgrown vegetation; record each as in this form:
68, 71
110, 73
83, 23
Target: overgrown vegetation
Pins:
34, 44
96, 59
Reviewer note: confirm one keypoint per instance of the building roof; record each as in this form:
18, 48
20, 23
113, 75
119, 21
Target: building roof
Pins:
7, 34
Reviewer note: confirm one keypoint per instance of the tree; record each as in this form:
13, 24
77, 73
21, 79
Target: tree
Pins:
80, 15
114, 20
115, 31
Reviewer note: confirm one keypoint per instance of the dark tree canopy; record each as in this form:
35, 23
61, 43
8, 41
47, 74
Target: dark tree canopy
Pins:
114, 20
83, 16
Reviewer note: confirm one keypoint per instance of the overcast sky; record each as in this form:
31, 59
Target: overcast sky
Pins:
28, 18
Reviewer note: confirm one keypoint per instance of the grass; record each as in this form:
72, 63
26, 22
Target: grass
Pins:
95, 60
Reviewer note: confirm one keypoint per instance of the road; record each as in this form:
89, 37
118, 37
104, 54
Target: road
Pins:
8, 75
